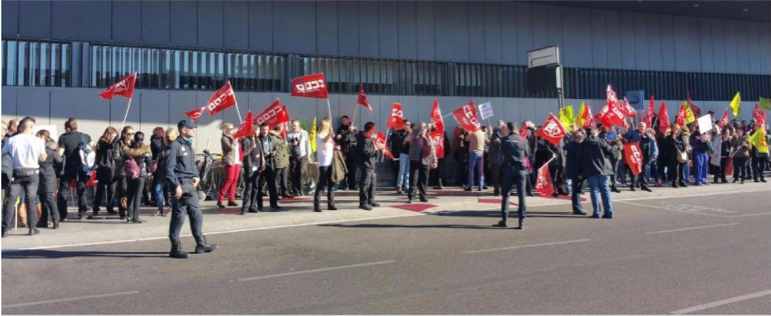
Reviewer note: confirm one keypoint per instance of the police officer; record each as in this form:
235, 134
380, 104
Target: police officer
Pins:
367, 150
182, 175
513, 151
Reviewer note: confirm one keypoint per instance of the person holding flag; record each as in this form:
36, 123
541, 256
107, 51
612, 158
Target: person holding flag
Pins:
367, 148
422, 160
230, 158
325, 143
759, 144
595, 166
513, 149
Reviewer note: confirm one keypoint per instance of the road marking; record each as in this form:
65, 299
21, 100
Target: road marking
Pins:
691, 228
727, 301
350, 266
70, 299
556, 243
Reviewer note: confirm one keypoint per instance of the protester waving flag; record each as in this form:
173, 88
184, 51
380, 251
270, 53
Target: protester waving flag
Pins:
312, 135
650, 113
759, 140
362, 100
222, 99
552, 130
436, 117
466, 116
680, 118
247, 127
124, 87
690, 117
274, 114
610, 95
633, 157
613, 115
396, 120
310, 86
736, 104
663, 117
627, 108
543, 184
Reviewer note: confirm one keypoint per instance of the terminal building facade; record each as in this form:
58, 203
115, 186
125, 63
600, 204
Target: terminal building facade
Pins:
58, 56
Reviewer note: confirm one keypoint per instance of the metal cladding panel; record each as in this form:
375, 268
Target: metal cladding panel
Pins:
577, 33
613, 36
388, 30
294, 27
184, 23
327, 39
540, 27
512, 28
156, 17
476, 36
92, 112
452, 31
348, 28
154, 110
81, 20
407, 30
10, 18
261, 26
9, 97
668, 57
641, 41
236, 25
654, 41
627, 45
211, 24
369, 29
493, 40
126, 16
524, 31
426, 35
34, 19
600, 41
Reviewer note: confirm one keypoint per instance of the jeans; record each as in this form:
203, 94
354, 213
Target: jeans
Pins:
159, 193
512, 178
575, 194
296, 167
21, 186
324, 184
475, 163
701, 160
367, 181
418, 178
403, 178
136, 187
598, 186
64, 189
685, 173
228, 188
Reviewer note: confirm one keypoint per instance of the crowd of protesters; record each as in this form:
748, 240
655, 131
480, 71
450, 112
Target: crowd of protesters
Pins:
126, 168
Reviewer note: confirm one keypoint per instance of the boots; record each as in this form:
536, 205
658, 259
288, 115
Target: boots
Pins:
204, 247
331, 201
176, 250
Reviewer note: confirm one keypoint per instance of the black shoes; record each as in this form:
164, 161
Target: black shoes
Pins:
374, 204
33, 231
365, 207
178, 254
423, 199
220, 205
501, 224
646, 189
205, 248
331, 207
232, 203
578, 212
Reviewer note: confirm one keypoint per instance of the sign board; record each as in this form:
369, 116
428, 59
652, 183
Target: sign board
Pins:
486, 110
705, 123
546, 56
636, 99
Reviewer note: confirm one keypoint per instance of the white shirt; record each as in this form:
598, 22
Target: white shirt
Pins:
325, 151
302, 137
25, 150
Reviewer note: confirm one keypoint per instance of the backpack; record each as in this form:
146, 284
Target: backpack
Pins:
87, 155
132, 168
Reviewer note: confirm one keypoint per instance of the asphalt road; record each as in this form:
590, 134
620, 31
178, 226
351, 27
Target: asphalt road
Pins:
709, 254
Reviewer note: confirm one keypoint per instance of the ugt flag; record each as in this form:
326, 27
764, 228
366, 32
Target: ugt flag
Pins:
310, 86
124, 87
467, 118
633, 157
222, 99
543, 184
396, 120
552, 130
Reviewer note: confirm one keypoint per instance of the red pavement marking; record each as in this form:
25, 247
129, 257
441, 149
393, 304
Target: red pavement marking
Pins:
497, 200
416, 207
494, 201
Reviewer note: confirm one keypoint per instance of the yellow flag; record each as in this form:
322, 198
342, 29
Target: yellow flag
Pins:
566, 116
758, 139
689, 116
580, 117
312, 135
736, 103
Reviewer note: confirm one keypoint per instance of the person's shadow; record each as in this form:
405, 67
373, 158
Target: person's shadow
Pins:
56, 254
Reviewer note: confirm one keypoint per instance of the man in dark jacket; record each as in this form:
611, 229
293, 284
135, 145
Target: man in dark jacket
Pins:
512, 154
346, 139
367, 150
70, 144
573, 169
595, 166
496, 157
269, 143
254, 165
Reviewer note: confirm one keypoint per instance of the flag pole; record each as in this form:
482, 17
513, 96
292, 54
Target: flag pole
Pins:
128, 108
329, 109
355, 111
240, 120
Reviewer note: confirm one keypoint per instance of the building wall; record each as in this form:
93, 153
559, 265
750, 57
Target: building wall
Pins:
480, 32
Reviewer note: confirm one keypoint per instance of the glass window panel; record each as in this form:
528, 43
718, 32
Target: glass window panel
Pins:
12, 55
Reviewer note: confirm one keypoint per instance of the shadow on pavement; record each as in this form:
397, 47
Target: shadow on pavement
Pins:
56, 254
512, 214
452, 226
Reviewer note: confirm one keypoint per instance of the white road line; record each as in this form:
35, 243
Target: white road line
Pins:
556, 243
727, 301
349, 266
691, 228
70, 299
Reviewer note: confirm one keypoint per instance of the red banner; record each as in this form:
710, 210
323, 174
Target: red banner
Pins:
437, 119
467, 118
362, 98
680, 118
124, 88
381, 141
724, 120
543, 184
247, 127
633, 157
92, 180
627, 108
649, 115
613, 115
663, 117
222, 99
195, 114
610, 95
396, 121
552, 130
275, 114
310, 86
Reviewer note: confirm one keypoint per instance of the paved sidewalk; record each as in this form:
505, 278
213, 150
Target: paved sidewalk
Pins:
298, 212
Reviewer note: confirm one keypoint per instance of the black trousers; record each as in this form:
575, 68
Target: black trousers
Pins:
47, 196
64, 190
282, 181
418, 178
267, 179
322, 184
249, 194
740, 168
367, 181
512, 179
187, 205
720, 175
21, 186
105, 188
352, 165
296, 167
136, 190
436, 176
758, 167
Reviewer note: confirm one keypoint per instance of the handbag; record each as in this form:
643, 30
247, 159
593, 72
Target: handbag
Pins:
682, 156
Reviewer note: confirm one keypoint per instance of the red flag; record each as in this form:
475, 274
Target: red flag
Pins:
247, 127
633, 157
396, 121
552, 130
274, 114
663, 117
627, 108
680, 118
124, 88
467, 118
436, 118
649, 115
310, 86
381, 140
723, 120
195, 114
222, 99
586, 116
362, 98
543, 184
696, 110
758, 115
610, 95
613, 115
92, 180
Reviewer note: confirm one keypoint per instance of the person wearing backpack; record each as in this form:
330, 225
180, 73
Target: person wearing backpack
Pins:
72, 145
138, 158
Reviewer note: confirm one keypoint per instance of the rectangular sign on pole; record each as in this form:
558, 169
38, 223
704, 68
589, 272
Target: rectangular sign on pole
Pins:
486, 110
705, 123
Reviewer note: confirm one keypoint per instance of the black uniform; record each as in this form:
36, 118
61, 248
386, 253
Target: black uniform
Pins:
367, 180
47, 187
348, 144
253, 164
513, 152
73, 170
105, 174
180, 170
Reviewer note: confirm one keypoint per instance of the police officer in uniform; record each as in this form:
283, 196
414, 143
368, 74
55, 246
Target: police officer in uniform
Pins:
182, 175
513, 152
